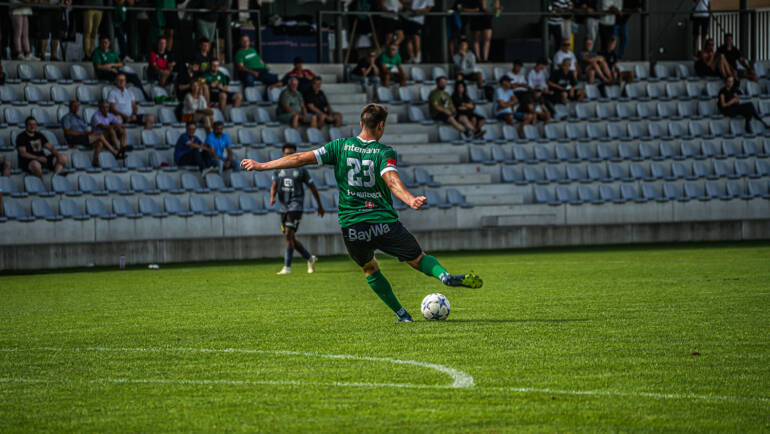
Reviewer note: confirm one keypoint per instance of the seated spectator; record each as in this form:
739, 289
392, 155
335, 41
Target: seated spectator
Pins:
465, 106
518, 79
196, 109
107, 65
123, 105
76, 132
562, 83
366, 71
503, 108
442, 109
611, 59
31, 145
217, 83
5, 166
203, 56
534, 104
305, 76
465, 65
220, 143
730, 106
710, 64
107, 124
594, 65
565, 53
291, 107
160, 66
538, 77
734, 56
318, 105
185, 75
390, 66
189, 151
251, 68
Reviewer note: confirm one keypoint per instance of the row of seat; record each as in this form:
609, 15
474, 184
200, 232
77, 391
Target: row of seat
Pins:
711, 190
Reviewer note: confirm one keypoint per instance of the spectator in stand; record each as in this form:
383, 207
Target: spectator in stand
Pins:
710, 64
107, 65
30, 145
734, 56
217, 83
318, 105
538, 77
223, 154
701, 15
119, 22
105, 123
170, 20
611, 59
190, 151
390, 65
504, 104
92, 19
20, 14
251, 67
196, 109
559, 27
366, 71
629, 8
49, 22
562, 83
482, 28
291, 106
5, 168
304, 76
206, 22
611, 9
465, 65
518, 79
534, 104
413, 26
160, 66
123, 105
76, 132
594, 65
565, 53
185, 75
730, 106
585, 15
465, 107
203, 56
390, 26
442, 109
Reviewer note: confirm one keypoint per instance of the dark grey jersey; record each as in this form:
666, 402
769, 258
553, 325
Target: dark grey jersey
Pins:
290, 188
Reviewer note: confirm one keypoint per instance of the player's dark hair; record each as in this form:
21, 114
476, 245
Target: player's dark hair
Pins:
289, 146
219, 124
372, 115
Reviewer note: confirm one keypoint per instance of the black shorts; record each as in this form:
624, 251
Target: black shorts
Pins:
214, 97
290, 219
481, 22
387, 25
412, 28
78, 140
171, 18
49, 164
442, 117
700, 26
362, 239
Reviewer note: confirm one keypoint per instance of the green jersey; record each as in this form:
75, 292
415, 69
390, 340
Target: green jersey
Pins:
358, 168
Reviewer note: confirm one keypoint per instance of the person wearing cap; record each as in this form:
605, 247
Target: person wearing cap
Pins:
504, 104
304, 76
562, 83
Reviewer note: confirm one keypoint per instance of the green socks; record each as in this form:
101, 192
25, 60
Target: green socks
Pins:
381, 287
430, 266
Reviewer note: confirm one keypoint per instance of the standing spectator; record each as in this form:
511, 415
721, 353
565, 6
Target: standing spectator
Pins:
220, 143
559, 26
76, 132
565, 53
594, 65
701, 15
251, 67
203, 56
465, 65
30, 145
482, 28
586, 13
734, 56
413, 26
318, 105
730, 106
533, 103
92, 19
465, 107
217, 83
611, 9
442, 109
49, 22
123, 105
630, 7
20, 14
291, 107
562, 83
505, 102
160, 66
119, 22
366, 71
304, 76
710, 64
107, 65
170, 20
390, 65
105, 123
190, 151
390, 25
5, 168
206, 22
196, 109
518, 79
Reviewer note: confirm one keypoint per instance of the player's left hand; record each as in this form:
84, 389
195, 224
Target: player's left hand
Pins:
418, 202
251, 165
321, 211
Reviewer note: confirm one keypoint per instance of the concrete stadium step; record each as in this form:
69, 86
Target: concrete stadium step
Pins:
404, 138
348, 98
430, 158
471, 178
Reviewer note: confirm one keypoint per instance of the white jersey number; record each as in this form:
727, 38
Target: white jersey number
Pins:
358, 179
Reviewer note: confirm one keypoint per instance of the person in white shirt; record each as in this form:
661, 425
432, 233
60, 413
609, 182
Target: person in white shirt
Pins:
413, 26
701, 14
538, 77
565, 53
390, 26
196, 109
505, 105
518, 79
123, 105
465, 65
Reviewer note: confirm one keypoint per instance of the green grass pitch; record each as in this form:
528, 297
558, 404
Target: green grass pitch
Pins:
658, 338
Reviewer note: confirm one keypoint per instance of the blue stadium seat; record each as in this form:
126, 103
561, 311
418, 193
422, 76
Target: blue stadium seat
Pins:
246, 138
122, 208
329, 179
640, 171
694, 191
691, 150
687, 109
716, 190
762, 168
191, 182
723, 169
435, 199
626, 110
269, 138
107, 161
619, 172
682, 170
385, 96
315, 136
565, 153
113, 184
637, 132
499, 155
523, 155
33, 186
695, 90
13, 116
166, 184
52, 73
617, 131
676, 90
224, 205
61, 185
247, 203
586, 152
199, 206
656, 91
629, 151
607, 152
422, 177
608, 193
8, 186
577, 132
758, 189
456, 199
69, 209
652, 192
148, 207
262, 180
587, 194
173, 206
544, 195
290, 135
408, 178
337, 133
649, 151
555, 132
405, 95
95, 208
743, 169
701, 169
565, 195
576, 173
418, 75
544, 154
479, 155
512, 174
586, 112
15, 211
660, 171
140, 184
88, 185
534, 174
240, 182
556, 173
673, 192
59, 95
271, 208
42, 210
735, 190
670, 150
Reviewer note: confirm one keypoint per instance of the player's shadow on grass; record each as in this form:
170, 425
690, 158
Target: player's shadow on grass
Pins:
521, 320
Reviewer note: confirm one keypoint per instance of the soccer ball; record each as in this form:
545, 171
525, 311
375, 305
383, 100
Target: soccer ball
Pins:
435, 307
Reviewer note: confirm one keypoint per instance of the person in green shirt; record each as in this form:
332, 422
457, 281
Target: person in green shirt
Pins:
443, 109
390, 64
108, 65
218, 87
251, 68
291, 106
367, 179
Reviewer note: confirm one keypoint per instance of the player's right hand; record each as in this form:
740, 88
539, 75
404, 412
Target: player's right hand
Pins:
250, 164
272, 200
418, 202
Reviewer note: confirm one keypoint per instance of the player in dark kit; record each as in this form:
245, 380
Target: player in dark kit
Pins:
367, 174
289, 184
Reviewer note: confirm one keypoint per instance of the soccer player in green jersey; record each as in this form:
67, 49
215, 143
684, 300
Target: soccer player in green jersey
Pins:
366, 175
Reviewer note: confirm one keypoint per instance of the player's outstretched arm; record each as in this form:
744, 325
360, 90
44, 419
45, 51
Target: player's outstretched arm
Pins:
298, 159
398, 188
